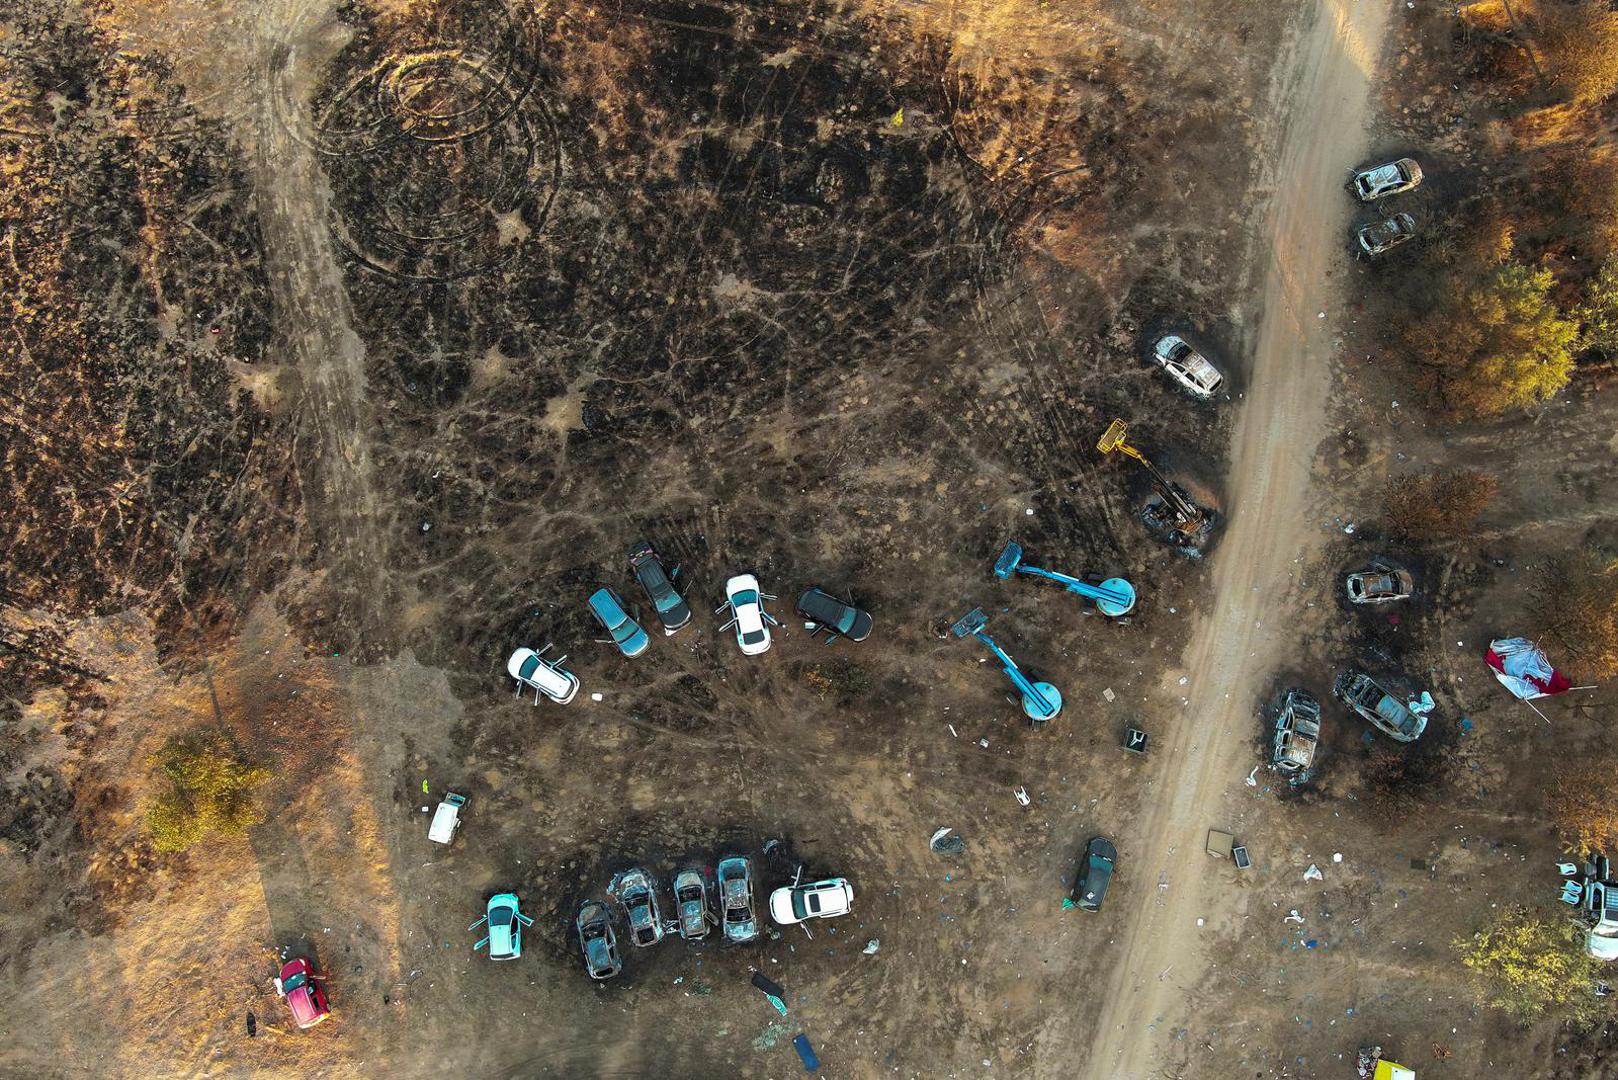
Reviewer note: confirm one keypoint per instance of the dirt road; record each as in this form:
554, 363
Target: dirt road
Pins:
1320, 109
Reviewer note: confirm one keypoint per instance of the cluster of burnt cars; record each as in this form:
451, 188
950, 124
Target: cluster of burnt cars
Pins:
695, 914
744, 601
1296, 723
1380, 182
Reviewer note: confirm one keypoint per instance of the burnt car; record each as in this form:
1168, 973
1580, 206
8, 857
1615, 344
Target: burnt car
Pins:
658, 584
837, 617
1095, 874
735, 876
596, 938
1392, 178
638, 895
1377, 707
1379, 583
691, 904
1383, 236
1297, 735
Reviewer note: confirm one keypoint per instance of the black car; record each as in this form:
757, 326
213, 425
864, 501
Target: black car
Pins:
1096, 874
671, 609
836, 617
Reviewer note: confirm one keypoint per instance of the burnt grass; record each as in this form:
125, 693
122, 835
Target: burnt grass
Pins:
762, 284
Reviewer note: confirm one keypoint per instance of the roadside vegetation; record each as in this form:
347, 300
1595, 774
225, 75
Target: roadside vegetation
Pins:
1438, 504
211, 790
1527, 964
1513, 294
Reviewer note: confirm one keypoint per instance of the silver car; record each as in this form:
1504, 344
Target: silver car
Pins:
691, 904
638, 895
1393, 178
1187, 366
736, 899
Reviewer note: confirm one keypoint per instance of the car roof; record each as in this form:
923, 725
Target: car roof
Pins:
605, 602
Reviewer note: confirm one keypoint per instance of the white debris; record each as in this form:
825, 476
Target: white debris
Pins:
1313, 873
1252, 778
595, 697
1337, 856
1109, 695
1294, 917
1022, 795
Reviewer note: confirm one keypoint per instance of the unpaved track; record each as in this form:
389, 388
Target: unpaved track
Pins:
1322, 112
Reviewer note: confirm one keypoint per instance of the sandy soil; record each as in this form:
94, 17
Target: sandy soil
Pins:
1321, 109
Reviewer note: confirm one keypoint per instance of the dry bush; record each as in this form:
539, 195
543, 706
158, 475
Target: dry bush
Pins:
1590, 181
1583, 805
1576, 606
1580, 44
1437, 504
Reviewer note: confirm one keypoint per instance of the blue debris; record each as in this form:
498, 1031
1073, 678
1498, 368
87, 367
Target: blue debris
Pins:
806, 1053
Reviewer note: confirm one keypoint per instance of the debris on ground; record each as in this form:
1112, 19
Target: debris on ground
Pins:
1313, 873
872, 946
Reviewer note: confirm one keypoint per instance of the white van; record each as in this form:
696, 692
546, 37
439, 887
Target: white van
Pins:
545, 676
446, 819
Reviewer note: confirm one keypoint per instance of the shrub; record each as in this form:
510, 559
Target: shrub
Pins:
210, 789
1583, 805
1577, 606
1436, 505
1528, 965
1580, 40
1598, 314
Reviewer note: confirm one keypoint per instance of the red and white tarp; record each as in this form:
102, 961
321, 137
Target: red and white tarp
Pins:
1522, 668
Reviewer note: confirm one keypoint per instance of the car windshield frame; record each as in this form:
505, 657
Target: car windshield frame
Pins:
800, 906
297, 981
745, 598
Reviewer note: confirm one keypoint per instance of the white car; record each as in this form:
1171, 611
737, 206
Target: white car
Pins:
1394, 178
1601, 900
747, 614
544, 676
1186, 366
817, 900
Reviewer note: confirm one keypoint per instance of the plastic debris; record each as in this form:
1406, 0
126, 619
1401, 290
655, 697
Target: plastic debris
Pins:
1313, 873
596, 696
872, 946
1109, 695
1293, 916
806, 1053
946, 844
1252, 778
1022, 796
1337, 856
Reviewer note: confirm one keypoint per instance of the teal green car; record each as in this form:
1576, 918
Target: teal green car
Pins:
505, 923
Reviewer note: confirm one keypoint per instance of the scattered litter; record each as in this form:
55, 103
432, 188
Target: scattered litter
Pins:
1337, 856
772, 990
1311, 943
770, 845
1029, 511
252, 1024
679, 980
1184, 679
424, 787
952, 731
1349, 528
1293, 916
1322, 315
946, 844
984, 743
872, 946
596, 696
1313, 873
1022, 796
1200, 920
1252, 778
1068, 904
1109, 695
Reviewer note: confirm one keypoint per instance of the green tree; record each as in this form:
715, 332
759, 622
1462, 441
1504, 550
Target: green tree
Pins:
1598, 314
1528, 965
1502, 344
1580, 39
209, 789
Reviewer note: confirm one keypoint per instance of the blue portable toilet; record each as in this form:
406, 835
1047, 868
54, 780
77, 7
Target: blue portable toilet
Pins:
806, 1053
